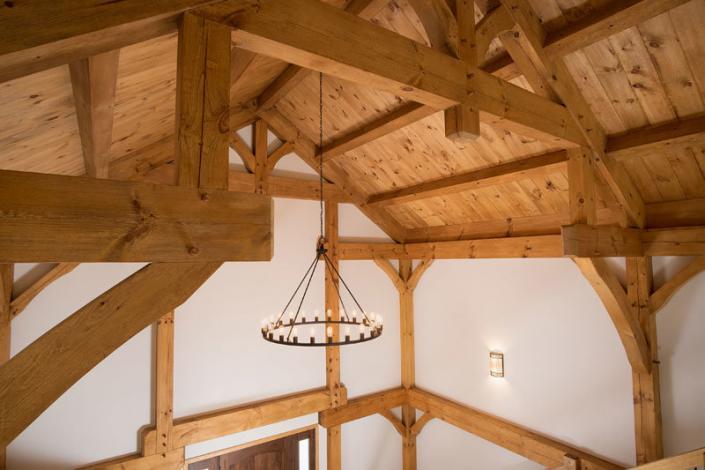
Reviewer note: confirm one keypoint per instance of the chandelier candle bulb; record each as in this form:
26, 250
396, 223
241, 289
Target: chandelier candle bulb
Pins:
313, 336
347, 334
330, 314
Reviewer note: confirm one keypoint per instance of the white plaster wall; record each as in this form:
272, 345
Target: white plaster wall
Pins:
567, 375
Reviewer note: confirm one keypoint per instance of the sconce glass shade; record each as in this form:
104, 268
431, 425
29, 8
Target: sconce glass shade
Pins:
496, 364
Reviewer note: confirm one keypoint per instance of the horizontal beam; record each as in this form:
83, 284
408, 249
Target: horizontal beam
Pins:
42, 34
202, 427
686, 241
657, 139
531, 167
546, 246
597, 241
688, 460
171, 460
39, 374
286, 187
51, 218
363, 406
529, 444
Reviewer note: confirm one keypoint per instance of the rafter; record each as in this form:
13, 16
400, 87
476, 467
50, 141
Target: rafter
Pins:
39, 374
614, 298
504, 173
363, 406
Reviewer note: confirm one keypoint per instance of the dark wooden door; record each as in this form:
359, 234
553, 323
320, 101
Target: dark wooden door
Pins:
279, 454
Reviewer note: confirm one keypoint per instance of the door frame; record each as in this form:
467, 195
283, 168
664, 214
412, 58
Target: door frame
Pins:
257, 442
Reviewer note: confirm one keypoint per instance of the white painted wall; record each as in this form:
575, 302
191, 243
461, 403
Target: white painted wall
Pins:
567, 375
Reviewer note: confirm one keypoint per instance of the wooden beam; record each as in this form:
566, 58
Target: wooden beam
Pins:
614, 298
363, 406
308, 152
504, 173
533, 446
20, 302
421, 422
286, 187
604, 22
489, 27
398, 425
93, 80
657, 139
202, 427
673, 285
683, 213
408, 361
241, 148
261, 150
547, 246
599, 241
686, 241
531, 36
462, 122
386, 266
203, 103
581, 187
417, 273
439, 24
164, 386
332, 301
6, 283
39, 374
172, 460
692, 459
646, 386
406, 114
52, 218
39, 35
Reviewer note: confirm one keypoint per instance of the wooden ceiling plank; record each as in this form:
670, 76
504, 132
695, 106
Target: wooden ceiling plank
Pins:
93, 80
614, 298
533, 446
24, 298
556, 73
546, 246
504, 173
39, 374
53, 218
665, 292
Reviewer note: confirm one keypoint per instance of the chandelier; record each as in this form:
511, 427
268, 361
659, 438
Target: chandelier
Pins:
318, 329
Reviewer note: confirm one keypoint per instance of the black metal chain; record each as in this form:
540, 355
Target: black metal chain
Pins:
320, 143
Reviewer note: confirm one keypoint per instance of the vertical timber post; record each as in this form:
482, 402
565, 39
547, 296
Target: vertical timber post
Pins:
332, 302
406, 327
646, 386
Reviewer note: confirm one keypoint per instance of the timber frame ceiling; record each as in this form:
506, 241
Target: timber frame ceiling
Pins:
495, 129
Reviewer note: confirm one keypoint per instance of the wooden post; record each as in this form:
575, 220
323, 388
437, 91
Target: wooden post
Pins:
6, 281
462, 122
164, 387
581, 186
408, 375
260, 149
333, 352
94, 80
646, 386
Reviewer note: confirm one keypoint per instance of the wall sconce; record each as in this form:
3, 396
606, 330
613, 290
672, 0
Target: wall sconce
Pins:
496, 364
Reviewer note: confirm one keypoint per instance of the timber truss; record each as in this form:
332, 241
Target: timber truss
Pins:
214, 214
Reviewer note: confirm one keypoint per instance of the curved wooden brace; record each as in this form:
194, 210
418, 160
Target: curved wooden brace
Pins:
669, 289
439, 23
419, 425
395, 421
386, 266
20, 302
418, 272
